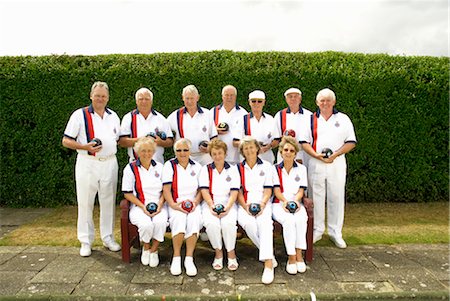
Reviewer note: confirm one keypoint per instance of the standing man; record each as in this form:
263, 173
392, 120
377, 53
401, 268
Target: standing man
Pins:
293, 120
96, 167
142, 121
331, 136
194, 123
228, 113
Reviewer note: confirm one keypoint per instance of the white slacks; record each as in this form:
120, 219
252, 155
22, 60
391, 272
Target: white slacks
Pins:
149, 227
189, 224
93, 176
259, 229
219, 229
294, 227
327, 181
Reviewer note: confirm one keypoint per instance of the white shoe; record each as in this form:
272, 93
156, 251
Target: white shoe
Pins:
204, 236
339, 242
145, 256
112, 246
291, 268
267, 276
154, 260
191, 269
85, 250
175, 267
301, 267
274, 262
316, 238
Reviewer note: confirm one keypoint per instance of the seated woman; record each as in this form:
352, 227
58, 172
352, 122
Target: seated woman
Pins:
256, 191
219, 184
290, 181
142, 185
180, 180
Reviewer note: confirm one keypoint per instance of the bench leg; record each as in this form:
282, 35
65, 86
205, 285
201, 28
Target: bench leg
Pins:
309, 240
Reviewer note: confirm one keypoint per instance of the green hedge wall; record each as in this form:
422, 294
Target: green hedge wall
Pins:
399, 107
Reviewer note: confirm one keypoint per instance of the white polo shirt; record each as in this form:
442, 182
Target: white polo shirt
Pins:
219, 184
255, 180
287, 120
331, 133
107, 129
197, 128
290, 182
186, 181
151, 181
263, 131
218, 115
155, 122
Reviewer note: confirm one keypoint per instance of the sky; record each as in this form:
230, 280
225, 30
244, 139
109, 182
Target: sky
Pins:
396, 27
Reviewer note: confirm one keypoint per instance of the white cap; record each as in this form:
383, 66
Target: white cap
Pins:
257, 94
292, 90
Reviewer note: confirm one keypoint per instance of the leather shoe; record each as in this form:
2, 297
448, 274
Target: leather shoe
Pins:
111, 245
154, 260
85, 250
339, 242
267, 276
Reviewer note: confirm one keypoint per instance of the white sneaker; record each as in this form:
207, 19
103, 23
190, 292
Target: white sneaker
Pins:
267, 276
154, 260
191, 269
85, 250
145, 256
175, 267
316, 238
301, 267
204, 236
274, 262
339, 242
291, 268
112, 246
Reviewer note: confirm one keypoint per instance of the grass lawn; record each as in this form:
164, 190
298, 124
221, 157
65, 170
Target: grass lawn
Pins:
366, 223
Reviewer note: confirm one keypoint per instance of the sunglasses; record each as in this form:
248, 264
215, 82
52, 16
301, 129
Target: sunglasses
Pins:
288, 150
257, 101
182, 150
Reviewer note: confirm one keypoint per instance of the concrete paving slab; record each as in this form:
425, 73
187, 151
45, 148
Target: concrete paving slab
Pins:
5, 257
47, 289
5, 230
333, 253
12, 249
154, 289
355, 270
53, 250
318, 269
305, 285
20, 216
28, 262
386, 259
261, 291
102, 277
96, 289
70, 263
12, 281
158, 275
435, 260
63, 276
409, 280
369, 287
215, 284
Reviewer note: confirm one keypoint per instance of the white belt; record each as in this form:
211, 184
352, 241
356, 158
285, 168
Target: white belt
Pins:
101, 159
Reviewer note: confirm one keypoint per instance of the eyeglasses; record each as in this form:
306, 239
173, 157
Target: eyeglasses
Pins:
182, 150
256, 101
288, 150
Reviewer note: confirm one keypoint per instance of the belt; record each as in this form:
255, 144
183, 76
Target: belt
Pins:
101, 159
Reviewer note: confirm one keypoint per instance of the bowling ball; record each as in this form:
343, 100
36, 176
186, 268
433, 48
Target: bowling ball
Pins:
203, 143
254, 208
219, 208
151, 134
152, 207
289, 132
187, 205
223, 125
162, 135
291, 206
97, 141
327, 152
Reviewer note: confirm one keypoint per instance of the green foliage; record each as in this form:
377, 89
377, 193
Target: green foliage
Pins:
399, 107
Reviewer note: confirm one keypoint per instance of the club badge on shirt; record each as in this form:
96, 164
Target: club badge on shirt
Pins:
193, 173
261, 174
156, 174
337, 124
228, 178
297, 178
204, 129
269, 135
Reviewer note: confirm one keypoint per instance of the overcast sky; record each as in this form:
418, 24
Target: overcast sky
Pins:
408, 27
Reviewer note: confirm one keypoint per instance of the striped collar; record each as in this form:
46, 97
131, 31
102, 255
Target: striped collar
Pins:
226, 165
258, 161
199, 109
300, 109
263, 115
190, 161
139, 164
91, 109
152, 111
282, 164
335, 111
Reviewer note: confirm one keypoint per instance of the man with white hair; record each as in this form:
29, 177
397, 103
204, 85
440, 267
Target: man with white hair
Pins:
330, 137
145, 121
226, 117
293, 120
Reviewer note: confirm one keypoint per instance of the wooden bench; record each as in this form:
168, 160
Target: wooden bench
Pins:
130, 235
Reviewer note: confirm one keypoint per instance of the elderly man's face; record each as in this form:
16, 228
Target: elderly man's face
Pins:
293, 100
144, 102
190, 99
325, 103
228, 96
99, 97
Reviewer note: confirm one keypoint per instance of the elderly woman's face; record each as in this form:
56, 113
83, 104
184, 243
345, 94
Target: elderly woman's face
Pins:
218, 154
250, 150
288, 152
146, 152
182, 152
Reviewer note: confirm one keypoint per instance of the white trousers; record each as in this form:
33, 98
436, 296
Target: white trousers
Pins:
220, 229
294, 227
327, 181
149, 227
95, 177
259, 229
189, 224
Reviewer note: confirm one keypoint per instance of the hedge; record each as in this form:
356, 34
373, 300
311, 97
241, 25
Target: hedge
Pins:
399, 107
